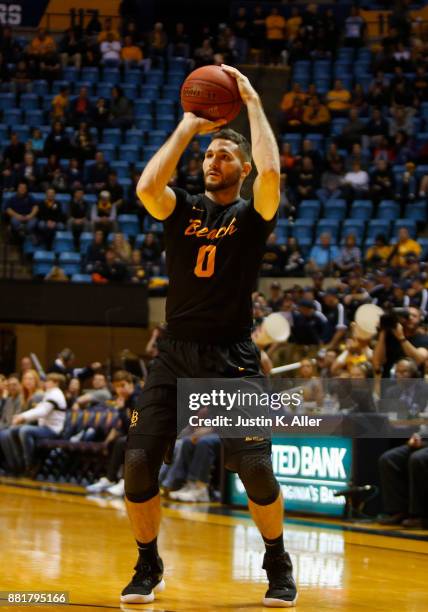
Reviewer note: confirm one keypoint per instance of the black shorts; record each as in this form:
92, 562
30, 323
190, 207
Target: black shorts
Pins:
154, 422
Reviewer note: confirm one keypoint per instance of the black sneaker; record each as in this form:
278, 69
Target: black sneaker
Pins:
282, 592
145, 582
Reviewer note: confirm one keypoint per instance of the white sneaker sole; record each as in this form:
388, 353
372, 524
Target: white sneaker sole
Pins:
270, 602
143, 599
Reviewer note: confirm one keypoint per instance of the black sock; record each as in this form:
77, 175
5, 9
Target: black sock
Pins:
274, 547
149, 550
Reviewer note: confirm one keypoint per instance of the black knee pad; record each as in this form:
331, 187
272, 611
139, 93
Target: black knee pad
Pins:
256, 472
141, 476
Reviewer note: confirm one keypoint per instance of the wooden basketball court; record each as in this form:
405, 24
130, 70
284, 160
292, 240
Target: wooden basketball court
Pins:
61, 540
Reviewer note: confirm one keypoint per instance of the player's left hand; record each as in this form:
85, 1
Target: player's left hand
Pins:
246, 90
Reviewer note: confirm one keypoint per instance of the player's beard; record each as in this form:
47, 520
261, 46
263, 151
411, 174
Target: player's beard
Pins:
225, 183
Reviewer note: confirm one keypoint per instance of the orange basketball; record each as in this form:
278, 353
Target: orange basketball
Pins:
211, 93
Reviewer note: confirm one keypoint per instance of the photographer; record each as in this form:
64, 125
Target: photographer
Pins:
400, 336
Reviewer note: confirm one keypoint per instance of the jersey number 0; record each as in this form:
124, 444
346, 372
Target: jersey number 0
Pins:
206, 260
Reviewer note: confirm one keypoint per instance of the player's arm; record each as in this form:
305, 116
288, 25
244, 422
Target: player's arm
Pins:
152, 188
264, 149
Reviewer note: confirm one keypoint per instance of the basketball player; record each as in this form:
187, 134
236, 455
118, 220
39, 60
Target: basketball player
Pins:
214, 245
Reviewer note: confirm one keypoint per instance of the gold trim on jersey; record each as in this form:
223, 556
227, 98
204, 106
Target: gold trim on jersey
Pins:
194, 229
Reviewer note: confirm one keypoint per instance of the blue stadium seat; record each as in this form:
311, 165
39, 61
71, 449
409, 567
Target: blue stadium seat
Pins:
294, 140
139, 239
154, 77
111, 76
170, 92
128, 224
337, 126
417, 211
424, 110
90, 74
361, 209
144, 122
70, 263
148, 152
43, 262
129, 153
422, 169
378, 226
175, 78
165, 122
7, 100
302, 228
121, 167
23, 132
112, 136
335, 210
4, 131
322, 85
85, 239
134, 137
81, 278
152, 225
345, 54
104, 90
63, 241
125, 183
133, 77
64, 199
143, 107
328, 226
109, 151
58, 85
28, 247
150, 92
130, 90
308, 209
179, 64
407, 223
156, 137
424, 244
29, 102
354, 226
165, 107
40, 88
70, 73
388, 210
12, 116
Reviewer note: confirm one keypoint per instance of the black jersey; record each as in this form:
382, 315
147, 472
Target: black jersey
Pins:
213, 257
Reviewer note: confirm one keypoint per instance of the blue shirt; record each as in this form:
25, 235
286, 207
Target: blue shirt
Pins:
323, 256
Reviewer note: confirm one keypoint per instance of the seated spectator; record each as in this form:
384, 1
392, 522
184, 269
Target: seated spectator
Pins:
50, 66
316, 116
103, 215
37, 142
15, 151
108, 31
49, 170
11, 406
356, 183
401, 121
40, 45
74, 175
306, 180
28, 172
136, 268
376, 126
420, 84
276, 296
359, 98
50, 416
275, 35
83, 144
113, 270
60, 104
50, 218
78, 219
353, 131
336, 323
355, 27
311, 385
357, 352
338, 99
90, 58
307, 330
72, 392
99, 393
287, 158
95, 254
21, 79
191, 177
150, 253
403, 476
121, 248
58, 143
403, 247
98, 174
293, 117
273, 258
190, 473
322, 256
158, 41
130, 52
81, 107
293, 258
128, 399
180, 40
289, 97
382, 182
204, 55
293, 23
71, 48
350, 255
63, 364
101, 115
115, 189
403, 147
22, 211
332, 182
110, 50
121, 109
378, 253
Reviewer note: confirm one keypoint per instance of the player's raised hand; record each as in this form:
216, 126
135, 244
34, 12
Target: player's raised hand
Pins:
246, 90
202, 126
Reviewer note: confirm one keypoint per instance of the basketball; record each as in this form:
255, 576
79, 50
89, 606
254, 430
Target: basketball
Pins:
211, 93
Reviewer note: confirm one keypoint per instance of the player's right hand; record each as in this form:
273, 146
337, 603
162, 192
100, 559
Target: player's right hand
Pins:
202, 126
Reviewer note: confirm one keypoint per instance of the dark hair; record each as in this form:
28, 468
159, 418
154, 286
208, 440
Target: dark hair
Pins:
239, 139
122, 375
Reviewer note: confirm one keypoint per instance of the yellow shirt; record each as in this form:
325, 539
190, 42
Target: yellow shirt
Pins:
275, 26
316, 117
59, 104
131, 54
404, 248
288, 99
293, 25
102, 36
382, 252
39, 47
338, 100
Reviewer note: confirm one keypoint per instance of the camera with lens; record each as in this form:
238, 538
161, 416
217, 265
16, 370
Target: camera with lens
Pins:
390, 319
